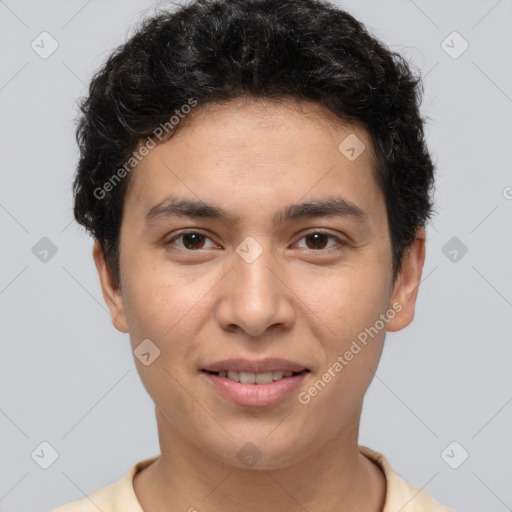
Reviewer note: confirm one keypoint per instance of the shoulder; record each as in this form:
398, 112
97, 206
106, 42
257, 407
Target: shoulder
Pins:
400, 494
103, 499
115, 497
75, 506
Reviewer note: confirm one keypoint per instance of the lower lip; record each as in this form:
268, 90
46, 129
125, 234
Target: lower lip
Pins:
255, 395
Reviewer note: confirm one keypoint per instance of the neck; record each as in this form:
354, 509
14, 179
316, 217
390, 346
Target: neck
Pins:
186, 478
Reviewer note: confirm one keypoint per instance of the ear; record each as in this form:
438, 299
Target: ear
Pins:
407, 283
111, 292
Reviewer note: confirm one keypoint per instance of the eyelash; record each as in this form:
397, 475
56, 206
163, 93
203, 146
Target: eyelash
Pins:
341, 243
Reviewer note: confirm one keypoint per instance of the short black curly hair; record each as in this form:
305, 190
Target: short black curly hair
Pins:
218, 50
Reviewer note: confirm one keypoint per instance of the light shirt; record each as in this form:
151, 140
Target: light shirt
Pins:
120, 496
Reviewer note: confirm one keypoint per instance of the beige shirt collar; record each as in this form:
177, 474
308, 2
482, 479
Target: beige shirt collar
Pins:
120, 496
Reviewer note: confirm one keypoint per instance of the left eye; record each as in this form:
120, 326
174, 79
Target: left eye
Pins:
194, 240
318, 239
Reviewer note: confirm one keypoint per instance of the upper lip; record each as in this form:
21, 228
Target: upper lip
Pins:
255, 366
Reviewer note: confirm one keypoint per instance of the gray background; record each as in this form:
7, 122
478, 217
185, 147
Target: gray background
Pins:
67, 376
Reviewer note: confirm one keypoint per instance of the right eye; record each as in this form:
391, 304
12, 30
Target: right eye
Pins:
191, 240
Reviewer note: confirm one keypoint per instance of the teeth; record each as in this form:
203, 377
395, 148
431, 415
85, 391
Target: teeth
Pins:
247, 378
264, 378
234, 376
254, 378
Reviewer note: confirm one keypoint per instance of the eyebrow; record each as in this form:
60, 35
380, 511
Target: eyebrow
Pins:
173, 206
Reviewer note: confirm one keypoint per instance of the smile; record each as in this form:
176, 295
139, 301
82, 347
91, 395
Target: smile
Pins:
248, 389
255, 378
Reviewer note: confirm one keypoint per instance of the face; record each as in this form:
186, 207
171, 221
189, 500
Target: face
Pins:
253, 284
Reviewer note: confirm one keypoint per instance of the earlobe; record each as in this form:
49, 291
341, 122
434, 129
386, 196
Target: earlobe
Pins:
407, 283
111, 292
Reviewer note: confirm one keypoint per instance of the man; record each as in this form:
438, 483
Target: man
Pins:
257, 182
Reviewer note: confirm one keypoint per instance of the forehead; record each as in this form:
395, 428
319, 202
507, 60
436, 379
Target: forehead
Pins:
262, 153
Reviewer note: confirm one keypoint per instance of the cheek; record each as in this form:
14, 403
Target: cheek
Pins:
345, 300
348, 306
152, 292
359, 300
165, 304
161, 310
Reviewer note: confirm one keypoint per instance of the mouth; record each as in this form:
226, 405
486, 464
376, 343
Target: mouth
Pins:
255, 383
255, 378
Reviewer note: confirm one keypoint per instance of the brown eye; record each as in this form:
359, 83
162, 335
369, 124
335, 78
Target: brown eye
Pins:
191, 240
317, 241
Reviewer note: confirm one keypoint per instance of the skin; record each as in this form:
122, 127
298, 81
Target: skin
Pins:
296, 302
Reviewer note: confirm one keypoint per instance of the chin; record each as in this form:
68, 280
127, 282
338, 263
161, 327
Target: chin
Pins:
265, 450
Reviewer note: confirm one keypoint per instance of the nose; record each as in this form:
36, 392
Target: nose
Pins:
254, 296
